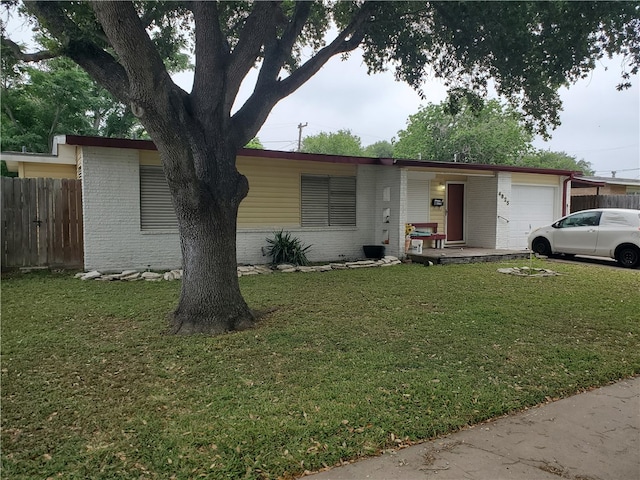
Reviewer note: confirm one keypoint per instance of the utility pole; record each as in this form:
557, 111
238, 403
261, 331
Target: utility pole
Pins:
300, 127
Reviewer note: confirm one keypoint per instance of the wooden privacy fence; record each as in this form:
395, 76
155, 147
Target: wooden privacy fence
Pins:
585, 202
42, 223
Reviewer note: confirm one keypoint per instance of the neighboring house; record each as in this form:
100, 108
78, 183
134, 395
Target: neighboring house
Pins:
604, 186
337, 204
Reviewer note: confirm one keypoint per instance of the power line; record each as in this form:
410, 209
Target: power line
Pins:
623, 170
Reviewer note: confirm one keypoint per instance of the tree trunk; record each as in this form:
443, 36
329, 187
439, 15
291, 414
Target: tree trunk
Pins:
207, 209
210, 301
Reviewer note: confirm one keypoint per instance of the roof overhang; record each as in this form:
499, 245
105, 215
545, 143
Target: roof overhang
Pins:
78, 140
581, 182
482, 167
602, 181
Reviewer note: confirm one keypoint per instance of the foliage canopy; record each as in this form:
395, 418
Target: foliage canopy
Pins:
342, 142
492, 134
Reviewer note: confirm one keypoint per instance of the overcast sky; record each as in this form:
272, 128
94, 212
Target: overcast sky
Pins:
599, 124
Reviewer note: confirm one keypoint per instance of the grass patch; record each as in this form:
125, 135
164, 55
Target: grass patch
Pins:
349, 363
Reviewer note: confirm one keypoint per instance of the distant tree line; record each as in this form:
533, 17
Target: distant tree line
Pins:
459, 130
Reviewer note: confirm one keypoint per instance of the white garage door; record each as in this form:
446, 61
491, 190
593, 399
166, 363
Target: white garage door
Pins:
532, 206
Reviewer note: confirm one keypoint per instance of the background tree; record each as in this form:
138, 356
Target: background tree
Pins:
58, 97
381, 149
342, 142
559, 160
255, 143
528, 49
488, 134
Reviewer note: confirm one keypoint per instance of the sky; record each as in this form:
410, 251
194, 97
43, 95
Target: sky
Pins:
598, 123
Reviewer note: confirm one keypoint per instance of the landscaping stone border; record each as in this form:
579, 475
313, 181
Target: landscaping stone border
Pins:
243, 270
529, 272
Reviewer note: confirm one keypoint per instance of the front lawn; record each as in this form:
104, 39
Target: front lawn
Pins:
349, 363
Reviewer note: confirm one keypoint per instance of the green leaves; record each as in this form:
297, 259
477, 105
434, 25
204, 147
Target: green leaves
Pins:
465, 129
58, 97
342, 142
284, 248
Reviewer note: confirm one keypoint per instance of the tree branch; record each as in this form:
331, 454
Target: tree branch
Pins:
28, 57
99, 64
257, 28
136, 52
15, 123
277, 52
212, 56
247, 120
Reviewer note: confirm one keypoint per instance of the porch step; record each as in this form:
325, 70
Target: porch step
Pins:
439, 258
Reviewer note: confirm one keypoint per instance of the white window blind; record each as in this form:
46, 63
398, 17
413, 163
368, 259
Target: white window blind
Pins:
156, 207
328, 201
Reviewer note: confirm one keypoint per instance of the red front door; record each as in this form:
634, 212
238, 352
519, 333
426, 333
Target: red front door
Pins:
455, 212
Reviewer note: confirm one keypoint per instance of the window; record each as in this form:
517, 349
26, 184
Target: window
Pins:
156, 207
581, 219
328, 201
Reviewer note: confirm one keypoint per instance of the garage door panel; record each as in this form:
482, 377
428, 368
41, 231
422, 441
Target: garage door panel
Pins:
532, 206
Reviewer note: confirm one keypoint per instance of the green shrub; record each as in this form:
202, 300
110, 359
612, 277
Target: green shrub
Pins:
284, 248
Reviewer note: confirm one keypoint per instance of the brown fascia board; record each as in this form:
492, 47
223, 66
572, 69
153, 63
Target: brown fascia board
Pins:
312, 157
578, 182
479, 166
108, 142
245, 152
316, 157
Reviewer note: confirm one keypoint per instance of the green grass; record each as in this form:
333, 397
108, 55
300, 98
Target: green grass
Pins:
350, 362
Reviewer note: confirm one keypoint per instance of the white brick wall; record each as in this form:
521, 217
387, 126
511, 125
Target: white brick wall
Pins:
396, 180
111, 205
503, 214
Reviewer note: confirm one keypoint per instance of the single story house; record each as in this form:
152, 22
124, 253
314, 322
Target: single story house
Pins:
336, 204
590, 185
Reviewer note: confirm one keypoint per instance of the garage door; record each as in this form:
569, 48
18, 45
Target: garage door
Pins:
532, 206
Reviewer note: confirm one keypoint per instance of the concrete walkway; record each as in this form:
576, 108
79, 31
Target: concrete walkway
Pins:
590, 436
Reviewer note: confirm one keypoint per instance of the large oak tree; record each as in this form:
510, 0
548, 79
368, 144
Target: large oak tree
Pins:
528, 49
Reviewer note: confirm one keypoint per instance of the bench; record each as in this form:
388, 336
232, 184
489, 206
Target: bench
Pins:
428, 231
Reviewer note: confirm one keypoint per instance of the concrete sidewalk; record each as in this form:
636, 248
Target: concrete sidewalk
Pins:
590, 436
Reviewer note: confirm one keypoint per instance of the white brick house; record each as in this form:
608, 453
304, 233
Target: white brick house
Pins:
129, 222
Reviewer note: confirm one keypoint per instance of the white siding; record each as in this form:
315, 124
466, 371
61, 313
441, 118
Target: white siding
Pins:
481, 211
417, 200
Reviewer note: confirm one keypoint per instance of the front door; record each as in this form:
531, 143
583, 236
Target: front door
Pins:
455, 213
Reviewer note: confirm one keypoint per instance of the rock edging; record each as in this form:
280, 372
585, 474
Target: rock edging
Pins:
529, 272
243, 270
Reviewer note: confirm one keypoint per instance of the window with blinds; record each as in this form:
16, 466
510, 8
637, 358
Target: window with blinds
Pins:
327, 201
156, 207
